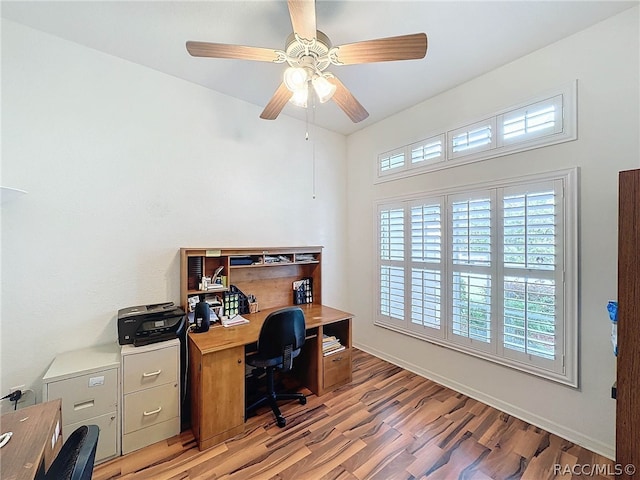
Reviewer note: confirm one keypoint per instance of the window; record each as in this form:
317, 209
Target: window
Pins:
488, 270
471, 264
427, 152
531, 122
426, 265
478, 137
391, 161
391, 222
545, 120
414, 157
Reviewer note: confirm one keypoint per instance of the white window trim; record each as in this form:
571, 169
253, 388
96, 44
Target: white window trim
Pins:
569, 178
569, 132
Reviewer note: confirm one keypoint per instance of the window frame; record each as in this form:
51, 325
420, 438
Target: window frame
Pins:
565, 366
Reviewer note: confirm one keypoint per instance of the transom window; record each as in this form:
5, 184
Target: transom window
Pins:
546, 120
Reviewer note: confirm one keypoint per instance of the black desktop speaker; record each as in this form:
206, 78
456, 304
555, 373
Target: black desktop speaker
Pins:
201, 316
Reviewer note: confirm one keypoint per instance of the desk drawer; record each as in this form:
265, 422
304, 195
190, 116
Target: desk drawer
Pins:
86, 396
151, 406
150, 369
337, 368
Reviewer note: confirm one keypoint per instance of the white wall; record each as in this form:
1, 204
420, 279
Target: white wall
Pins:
125, 165
604, 59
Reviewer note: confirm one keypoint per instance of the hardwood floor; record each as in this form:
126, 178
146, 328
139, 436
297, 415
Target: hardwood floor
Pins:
387, 424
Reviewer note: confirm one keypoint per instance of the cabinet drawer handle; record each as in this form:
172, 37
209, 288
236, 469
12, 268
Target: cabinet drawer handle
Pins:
83, 405
152, 374
153, 412
337, 359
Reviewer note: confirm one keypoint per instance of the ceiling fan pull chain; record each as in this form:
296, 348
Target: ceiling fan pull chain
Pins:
313, 154
306, 120
313, 171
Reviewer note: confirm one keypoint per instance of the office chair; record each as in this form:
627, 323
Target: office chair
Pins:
76, 457
281, 338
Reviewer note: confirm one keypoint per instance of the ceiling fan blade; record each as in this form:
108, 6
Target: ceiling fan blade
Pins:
347, 102
403, 47
223, 50
277, 103
303, 18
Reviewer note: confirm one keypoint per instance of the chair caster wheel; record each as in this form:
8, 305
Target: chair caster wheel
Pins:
281, 421
303, 401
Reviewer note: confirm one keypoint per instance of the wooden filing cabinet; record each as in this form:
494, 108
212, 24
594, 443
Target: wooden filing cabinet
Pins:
337, 370
336, 367
217, 394
87, 381
150, 393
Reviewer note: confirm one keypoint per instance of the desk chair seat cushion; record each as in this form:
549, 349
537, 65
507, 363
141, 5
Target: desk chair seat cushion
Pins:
77, 456
258, 361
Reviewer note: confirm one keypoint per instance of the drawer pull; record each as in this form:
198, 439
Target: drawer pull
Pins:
339, 359
83, 405
152, 412
152, 374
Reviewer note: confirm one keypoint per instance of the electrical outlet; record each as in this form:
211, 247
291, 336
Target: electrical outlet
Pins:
22, 388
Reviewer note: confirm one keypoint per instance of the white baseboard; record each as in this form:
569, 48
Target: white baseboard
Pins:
530, 417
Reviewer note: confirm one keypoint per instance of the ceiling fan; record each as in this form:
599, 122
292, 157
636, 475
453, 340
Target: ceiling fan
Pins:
309, 53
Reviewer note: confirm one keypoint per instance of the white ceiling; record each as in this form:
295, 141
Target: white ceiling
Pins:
466, 39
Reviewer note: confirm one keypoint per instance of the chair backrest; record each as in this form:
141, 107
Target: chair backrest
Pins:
282, 333
77, 456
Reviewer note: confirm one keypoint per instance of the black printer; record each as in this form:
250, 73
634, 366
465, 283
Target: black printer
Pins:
147, 324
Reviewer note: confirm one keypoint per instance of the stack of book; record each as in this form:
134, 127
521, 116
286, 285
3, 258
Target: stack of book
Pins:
331, 345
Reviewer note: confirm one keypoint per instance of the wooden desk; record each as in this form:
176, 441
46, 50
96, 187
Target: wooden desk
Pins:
217, 368
35, 442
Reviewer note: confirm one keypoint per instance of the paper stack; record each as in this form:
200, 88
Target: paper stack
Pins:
331, 345
234, 320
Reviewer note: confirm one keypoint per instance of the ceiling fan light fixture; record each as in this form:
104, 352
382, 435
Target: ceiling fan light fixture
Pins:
295, 78
300, 96
324, 89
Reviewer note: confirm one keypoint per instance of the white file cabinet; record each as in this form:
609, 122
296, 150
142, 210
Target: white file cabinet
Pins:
150, 393
88, 381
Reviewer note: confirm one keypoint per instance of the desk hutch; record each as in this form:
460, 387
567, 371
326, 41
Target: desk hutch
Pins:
217, 357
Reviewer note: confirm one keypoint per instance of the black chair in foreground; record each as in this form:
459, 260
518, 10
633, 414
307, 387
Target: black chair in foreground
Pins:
281, 338
77, 456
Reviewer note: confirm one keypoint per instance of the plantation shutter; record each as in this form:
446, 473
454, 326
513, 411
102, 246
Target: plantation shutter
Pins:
391, 248
428, 151
533, 121
426, 265
471, 139
391, 162
471, 270
532, 307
